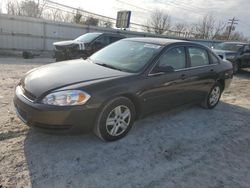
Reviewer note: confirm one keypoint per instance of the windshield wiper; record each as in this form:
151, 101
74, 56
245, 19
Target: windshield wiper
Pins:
109, 66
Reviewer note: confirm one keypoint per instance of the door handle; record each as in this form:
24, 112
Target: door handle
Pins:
211, 70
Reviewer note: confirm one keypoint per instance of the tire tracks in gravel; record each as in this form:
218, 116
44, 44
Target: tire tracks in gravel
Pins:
229, 136
12, 134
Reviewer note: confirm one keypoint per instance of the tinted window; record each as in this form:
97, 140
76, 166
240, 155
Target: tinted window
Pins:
198, 57
87, 38
104, 40
114, 39
175, 58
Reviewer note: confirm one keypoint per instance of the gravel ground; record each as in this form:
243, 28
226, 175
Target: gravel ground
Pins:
187, 147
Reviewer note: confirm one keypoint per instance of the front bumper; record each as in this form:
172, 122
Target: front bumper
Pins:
76, 118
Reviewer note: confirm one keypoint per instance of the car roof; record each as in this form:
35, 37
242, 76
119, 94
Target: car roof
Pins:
158, 41
114, 34
235, 43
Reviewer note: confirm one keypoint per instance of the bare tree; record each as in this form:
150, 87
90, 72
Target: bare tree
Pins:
159, 22
237, 36
77, 17
108, 24
67, 17
219, 30
13, 7
205, 27
91, 21
56, 14
29, 8
181, 29
209, 28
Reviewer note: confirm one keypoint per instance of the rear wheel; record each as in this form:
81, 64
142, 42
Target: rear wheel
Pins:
115, 120
213, 97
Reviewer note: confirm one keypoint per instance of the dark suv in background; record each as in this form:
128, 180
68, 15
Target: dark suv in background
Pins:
236, 52
84, 46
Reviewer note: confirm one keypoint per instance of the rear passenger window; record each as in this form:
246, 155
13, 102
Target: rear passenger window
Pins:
175, 58
198, 57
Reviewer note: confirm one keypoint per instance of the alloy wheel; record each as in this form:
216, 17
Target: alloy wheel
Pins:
214, 96
118, 120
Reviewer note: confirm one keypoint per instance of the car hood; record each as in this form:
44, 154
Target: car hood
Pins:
57, 75
69, 44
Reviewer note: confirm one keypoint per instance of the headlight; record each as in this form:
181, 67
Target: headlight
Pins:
66, 98
230, 56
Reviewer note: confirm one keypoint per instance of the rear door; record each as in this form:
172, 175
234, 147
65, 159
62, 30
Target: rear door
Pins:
202, 72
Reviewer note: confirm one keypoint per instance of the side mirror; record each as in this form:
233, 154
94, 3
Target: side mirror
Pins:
165, 69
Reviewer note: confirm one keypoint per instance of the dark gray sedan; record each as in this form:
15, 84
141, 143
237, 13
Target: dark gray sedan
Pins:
121, 83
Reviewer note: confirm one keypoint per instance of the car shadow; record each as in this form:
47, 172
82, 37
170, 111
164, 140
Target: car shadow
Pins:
156, 145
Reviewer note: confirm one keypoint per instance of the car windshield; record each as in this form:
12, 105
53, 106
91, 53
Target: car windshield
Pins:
129, 56
87, 38
229, 46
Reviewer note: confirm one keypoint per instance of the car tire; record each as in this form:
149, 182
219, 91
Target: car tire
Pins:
213, 97
115, 119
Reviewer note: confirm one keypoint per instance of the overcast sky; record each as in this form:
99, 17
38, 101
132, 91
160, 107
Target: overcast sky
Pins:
180, 10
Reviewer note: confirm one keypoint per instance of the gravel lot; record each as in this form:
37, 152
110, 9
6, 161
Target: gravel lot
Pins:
187, 147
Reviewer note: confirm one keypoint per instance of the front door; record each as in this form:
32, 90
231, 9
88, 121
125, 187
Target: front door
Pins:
167, 90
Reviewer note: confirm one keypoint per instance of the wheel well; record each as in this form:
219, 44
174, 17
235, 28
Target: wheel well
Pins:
222, 82
136, 103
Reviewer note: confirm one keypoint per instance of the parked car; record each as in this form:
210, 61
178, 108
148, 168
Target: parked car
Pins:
236, 52
84, 46
122, 82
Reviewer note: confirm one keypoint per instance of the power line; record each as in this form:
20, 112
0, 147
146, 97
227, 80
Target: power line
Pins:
245, 24
129, 4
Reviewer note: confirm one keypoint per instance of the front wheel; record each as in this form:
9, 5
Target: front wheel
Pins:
115, 120
213, 97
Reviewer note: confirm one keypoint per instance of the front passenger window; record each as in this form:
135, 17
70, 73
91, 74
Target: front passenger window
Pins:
175, 58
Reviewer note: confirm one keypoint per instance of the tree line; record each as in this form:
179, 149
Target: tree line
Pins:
208, 27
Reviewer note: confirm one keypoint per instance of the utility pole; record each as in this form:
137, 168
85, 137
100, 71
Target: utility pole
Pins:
232, 22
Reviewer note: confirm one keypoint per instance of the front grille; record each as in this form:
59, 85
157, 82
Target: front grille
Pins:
68, 48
